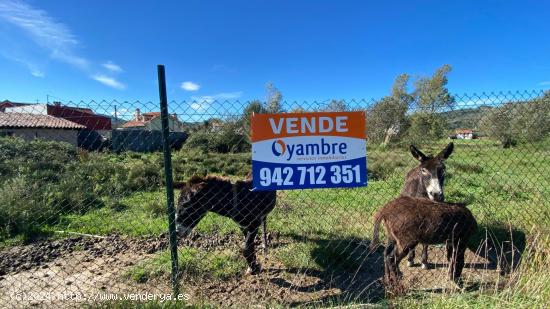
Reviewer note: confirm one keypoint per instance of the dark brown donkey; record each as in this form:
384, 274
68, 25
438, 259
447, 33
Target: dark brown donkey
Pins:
426, 180
410, 221
237, 201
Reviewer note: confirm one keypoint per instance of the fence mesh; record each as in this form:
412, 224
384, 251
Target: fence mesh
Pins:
83, 208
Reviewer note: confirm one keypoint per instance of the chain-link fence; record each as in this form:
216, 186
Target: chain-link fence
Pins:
83, 216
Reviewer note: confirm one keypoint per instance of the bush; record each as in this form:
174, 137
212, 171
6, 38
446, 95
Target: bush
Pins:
39, 160
143, 176
227, 139
40, 181
20, 206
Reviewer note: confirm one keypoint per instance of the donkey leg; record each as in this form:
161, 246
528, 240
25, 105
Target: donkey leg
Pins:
458, 265
400, 256
249, 251
449, 247
410, 259
265, 245
425, 264
389, 264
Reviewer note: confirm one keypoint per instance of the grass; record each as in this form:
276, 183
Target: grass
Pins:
322, 228
528, 287
194, 263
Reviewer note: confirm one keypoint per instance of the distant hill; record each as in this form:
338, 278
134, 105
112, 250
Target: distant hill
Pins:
467, 118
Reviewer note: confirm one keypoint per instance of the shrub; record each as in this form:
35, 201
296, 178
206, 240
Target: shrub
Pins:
228, 138
20, 206
143, 176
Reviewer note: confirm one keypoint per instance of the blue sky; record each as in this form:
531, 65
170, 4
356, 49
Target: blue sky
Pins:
310, 50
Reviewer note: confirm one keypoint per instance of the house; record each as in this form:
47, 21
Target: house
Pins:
83, 116
464, 134
5, 104
152, 122
33, 126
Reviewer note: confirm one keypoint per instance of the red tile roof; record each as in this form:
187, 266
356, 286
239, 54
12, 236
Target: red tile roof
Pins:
463, 131
133, 124
20, 120
151, 114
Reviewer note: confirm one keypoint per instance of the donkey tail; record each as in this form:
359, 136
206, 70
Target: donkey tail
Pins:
377, 219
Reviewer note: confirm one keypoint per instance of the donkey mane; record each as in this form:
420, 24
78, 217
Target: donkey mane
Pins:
210, 180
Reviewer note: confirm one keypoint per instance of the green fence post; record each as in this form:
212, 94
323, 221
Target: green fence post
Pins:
169, 180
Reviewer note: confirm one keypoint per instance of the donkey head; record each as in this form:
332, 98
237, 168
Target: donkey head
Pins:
193, 204
431, 171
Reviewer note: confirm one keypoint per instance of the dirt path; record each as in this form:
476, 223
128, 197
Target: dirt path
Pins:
68, 272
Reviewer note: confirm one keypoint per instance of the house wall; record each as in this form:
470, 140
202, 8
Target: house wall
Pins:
91, 121
37, 109
68, 136
465, 135
156, 125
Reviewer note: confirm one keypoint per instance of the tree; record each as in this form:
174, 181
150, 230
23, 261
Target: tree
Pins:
274, 99
254, 107
496, 123
431, 94
336, 106
518, 121
387, 118
425, 127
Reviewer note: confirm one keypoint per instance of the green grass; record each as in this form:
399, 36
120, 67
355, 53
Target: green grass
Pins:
321, 228
529, 286
193, 263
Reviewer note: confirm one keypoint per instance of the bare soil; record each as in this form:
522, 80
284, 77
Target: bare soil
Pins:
68, 272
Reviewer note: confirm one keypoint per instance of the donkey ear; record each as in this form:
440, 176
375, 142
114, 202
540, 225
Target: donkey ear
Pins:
417, 154
445, 153
197, 187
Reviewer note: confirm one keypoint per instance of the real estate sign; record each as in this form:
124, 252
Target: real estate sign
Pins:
308, 150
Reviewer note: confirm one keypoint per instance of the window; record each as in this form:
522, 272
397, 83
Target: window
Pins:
4, 134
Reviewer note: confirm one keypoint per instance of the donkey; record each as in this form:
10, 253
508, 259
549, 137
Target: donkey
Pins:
249, 209
426, 180
409, 221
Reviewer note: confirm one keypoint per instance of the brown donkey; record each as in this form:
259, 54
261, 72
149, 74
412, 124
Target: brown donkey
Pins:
426, 180
249, 209
411, 221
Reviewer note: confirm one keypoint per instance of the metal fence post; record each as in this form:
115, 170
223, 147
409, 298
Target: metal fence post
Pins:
168, 175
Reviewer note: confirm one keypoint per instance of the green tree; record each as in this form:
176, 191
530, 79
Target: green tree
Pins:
274, 99
431, 93
254, 107
425, 127
496, 123
336, 106
387, 119
431, 96
518, 121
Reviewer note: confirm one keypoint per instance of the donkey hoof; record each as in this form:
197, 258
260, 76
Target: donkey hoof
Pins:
254, 269
459, 283
410, 263
425, 266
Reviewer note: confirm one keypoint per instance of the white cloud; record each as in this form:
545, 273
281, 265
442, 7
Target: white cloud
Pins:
111, 66
190, 86
37, 73
44, 31
545, 83
199, 106
201, 103
218, 97
109, 81
31, 66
